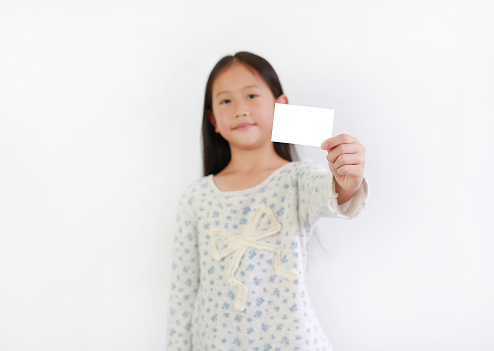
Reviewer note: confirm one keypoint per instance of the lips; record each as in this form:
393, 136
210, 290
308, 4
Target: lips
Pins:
243, 126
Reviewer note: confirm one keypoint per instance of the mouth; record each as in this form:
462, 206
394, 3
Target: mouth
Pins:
244, 126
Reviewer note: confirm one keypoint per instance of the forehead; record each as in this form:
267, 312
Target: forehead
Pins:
236, 77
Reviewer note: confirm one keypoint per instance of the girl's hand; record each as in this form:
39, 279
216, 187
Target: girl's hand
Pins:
346, 158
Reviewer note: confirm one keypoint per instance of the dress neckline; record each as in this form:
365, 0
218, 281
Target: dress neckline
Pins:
255, 187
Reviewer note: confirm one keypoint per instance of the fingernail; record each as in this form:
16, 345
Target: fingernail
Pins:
323, 146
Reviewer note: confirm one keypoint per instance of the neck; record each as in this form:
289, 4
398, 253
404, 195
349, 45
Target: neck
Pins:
254, 160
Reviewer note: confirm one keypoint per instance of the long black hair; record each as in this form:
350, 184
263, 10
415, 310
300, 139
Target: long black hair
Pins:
215, 149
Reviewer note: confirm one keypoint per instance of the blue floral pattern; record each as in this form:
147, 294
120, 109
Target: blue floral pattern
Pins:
218, 250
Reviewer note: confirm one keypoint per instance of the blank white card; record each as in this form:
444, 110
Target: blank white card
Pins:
301, 124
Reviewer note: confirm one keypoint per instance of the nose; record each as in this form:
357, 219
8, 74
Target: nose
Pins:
240, 110
240, 113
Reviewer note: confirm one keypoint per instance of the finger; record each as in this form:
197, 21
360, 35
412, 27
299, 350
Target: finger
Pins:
349, 159
337, 140
341, 149
351, 171
333, 169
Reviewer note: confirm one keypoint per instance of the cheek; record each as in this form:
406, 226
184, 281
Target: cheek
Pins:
267, 114
222, 122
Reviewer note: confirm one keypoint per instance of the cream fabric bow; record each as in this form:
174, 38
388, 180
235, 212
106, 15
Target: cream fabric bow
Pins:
239, 244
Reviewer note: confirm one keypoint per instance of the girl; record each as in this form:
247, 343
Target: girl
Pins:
240, 245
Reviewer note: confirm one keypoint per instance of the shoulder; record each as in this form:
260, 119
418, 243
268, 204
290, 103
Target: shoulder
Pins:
298, 173
306, 166
196, 189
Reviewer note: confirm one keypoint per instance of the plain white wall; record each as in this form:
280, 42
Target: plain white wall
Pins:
100, 113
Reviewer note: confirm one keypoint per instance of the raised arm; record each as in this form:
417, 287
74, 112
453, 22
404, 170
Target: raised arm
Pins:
318, 197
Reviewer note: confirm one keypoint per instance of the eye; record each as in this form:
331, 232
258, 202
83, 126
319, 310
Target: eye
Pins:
251, 96
224, 101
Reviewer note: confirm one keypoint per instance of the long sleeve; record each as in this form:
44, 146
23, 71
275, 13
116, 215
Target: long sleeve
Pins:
318, 198
185, 277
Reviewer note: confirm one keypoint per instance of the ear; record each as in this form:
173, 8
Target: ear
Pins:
212, 120
282, 99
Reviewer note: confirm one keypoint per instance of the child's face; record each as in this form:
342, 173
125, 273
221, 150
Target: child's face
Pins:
243, 107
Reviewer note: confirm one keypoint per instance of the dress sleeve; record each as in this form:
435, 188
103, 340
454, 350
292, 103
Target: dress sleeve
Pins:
185, 277
318, 198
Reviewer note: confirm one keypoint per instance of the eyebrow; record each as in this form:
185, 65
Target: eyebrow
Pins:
247, 87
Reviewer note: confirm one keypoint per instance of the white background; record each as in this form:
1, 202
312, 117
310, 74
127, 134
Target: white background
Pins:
100, 114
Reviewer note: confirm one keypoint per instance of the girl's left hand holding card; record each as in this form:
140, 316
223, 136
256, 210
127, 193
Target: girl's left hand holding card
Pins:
346, 158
